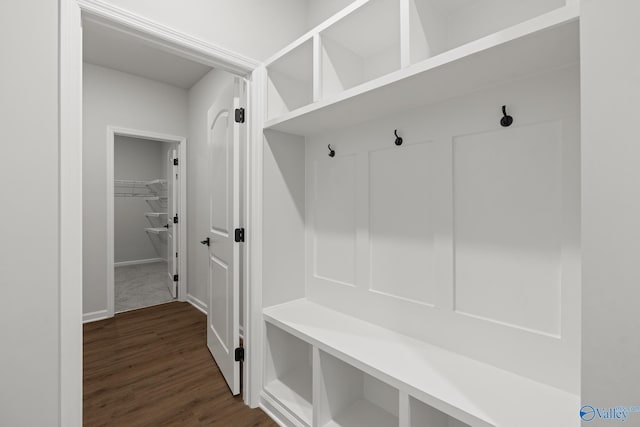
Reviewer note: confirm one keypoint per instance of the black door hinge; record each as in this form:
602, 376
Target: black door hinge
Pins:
239, 235
175, 219
239, 353
175, 277
175, 162
239, 115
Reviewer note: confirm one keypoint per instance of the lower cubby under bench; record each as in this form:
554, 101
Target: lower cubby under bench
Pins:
325, 368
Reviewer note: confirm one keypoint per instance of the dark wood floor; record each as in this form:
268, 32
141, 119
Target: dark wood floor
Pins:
151, 367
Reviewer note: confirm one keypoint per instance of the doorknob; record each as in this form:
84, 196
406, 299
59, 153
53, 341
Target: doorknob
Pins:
206, 242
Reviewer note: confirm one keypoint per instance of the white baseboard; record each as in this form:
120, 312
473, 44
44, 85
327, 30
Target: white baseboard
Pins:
95, 316
138, 261
277, 412
197, 303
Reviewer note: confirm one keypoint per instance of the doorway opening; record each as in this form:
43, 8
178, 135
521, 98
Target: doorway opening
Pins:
157, 105
146, 219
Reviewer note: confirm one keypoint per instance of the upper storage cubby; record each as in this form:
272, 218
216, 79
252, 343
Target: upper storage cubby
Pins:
436, 26
290, 80
360, 47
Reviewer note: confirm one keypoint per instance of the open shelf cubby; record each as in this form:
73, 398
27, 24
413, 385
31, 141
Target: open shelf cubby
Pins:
348, 58
290, 80
352, 398
423, 415
288, 373
436, 26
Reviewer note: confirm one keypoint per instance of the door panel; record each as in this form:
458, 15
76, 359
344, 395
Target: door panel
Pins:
223, 161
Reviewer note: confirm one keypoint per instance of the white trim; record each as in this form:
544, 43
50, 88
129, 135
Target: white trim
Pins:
197, 303
254, 334
246, 253
70, 215
277, 413
95, 316
166, 38
138, 262
112, 131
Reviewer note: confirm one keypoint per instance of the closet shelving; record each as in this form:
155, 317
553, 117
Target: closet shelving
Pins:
131, 188
409, 53
156, 230
373, 59
156, 214
157, 186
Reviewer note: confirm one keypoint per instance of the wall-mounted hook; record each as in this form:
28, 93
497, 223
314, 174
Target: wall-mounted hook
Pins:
506, 119
332, 152
398, 138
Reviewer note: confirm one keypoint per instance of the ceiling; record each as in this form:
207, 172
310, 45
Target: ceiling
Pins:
123, 52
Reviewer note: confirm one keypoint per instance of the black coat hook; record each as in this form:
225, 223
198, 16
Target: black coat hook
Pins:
398, 138
506, 119
332, 152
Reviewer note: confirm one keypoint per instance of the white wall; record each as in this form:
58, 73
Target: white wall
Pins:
611, 205
466, 237
320, 10
123, 100
201, 96
29, 255
139, 160
254, 28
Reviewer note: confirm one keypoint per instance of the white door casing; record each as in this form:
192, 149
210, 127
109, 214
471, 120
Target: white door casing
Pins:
224, 217
172, 229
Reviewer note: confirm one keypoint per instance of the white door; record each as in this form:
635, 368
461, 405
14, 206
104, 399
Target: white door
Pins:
224, 198
172, 216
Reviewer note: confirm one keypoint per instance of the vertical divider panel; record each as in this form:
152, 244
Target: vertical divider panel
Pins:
403, 409
405, 33
317, 68
363, 237
318, 385
444, 238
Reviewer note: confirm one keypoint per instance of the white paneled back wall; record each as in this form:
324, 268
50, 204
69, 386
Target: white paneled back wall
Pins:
467, 235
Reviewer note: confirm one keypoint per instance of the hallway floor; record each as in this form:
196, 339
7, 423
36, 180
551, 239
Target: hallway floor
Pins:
141, 285
151, 367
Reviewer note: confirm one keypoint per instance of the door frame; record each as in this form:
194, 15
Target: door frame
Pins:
181, 141
70, 180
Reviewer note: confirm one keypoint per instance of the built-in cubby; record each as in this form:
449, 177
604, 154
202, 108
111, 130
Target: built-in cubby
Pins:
290, 80
423, 415
349, 58
416, 283
436, 26
288, 373
351, 398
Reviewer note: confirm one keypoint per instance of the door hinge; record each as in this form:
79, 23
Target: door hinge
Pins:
175, 277
175, 219
239, 353
175, 162
239, 235
239, 115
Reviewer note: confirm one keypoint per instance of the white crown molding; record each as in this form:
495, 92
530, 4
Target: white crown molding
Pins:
166, 38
